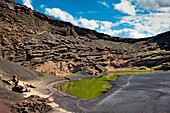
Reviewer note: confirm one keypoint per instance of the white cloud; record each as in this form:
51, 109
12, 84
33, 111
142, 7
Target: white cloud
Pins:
138, 26
58, 13
104, 3
91, 24
150, 24
165, 9
125, 7
27, 3
42, 6
126, 33
153, 23
156, 5
83, 22
105, 25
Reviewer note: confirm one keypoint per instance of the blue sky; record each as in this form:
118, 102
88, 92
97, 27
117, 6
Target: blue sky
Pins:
122, 18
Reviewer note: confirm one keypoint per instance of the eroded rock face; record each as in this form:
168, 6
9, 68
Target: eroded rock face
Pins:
32, 104
58, 68
34, 40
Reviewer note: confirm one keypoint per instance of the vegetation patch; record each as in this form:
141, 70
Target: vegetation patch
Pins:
90, 88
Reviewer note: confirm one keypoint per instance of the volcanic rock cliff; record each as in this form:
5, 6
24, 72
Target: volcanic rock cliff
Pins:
51, 46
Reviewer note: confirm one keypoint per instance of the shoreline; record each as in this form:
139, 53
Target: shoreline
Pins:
44, 88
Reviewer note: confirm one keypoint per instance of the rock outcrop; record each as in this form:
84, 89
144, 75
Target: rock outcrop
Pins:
7, 81
34, 40
17, 85
32, 104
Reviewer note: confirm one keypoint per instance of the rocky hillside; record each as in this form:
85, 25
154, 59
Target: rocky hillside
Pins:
48, 45
7, 69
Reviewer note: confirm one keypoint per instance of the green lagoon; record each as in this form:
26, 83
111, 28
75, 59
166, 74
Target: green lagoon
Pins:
90, 88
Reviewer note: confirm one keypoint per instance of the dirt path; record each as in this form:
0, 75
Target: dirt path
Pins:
43, 91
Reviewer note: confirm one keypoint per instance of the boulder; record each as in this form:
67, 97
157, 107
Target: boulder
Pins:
18, 88
87, 70
100, 68
68, 78
15, 79
7, 81
30, 85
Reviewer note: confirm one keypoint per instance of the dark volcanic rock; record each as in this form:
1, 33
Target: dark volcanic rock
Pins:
87, 70
7, 69
100, 68
18, 88
31, 39
7, 81
31, 104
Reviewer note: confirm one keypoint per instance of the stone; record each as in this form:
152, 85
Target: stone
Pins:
87, 70
100, 68
68, 78
7, 81
15, 79
30, 85
18, 88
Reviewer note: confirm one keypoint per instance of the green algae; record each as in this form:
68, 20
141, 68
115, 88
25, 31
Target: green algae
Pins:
90, 88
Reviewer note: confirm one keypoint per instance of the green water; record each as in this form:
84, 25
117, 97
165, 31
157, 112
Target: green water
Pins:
89, 88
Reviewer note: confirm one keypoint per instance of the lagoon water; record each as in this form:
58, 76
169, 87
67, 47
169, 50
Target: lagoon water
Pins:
89, 88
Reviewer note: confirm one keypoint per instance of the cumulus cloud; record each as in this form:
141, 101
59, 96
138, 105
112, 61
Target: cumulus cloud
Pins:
125, 7
141, 24
83, 22
91, 24
136, 26
104, 3
105, 25
58, 13
42, 6
153, 23
28, 3
125, 33
156, 5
